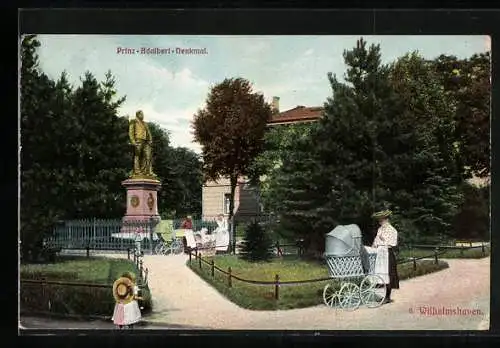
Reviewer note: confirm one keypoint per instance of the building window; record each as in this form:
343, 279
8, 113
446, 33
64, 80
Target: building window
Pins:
227, 202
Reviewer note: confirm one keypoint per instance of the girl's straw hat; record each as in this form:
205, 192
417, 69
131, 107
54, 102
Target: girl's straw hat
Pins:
123, 290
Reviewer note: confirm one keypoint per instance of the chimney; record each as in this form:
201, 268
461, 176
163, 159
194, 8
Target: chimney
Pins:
276, 104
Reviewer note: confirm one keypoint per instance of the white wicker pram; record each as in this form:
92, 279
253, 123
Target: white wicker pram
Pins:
353, 265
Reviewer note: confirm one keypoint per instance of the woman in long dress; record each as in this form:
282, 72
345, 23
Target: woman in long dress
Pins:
221, 234
127, 311
385, 241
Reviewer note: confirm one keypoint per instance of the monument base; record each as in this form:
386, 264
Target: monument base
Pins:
142, 206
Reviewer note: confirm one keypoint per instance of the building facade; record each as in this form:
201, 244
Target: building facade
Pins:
216, 195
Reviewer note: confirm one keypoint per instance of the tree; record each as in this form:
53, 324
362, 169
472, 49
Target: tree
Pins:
163, 168
257, 245
436, 162
344, 179
473, 218
189, 181
74, 150
379, 146
230, 129
179, 170
37, 95
280, 142
467, 82
298, 192
99, 153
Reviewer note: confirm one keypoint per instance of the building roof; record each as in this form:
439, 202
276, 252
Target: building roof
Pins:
298, 114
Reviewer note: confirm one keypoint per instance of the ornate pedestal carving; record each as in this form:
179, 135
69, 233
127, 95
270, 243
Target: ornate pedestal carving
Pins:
142, 203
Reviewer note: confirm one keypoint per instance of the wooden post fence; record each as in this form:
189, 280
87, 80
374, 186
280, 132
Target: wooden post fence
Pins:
414, 263
199, 261
436, 256
229, 280
276, 286
212, 265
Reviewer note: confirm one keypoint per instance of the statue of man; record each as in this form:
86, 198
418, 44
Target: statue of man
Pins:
141, 139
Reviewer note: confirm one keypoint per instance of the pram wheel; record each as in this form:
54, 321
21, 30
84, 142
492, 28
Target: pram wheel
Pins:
330, 296
157, 248
349, 296
372, 291
177, 247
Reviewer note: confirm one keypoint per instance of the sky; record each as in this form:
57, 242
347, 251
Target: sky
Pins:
170, 88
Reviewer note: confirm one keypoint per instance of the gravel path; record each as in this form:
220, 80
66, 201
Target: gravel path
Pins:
182, 298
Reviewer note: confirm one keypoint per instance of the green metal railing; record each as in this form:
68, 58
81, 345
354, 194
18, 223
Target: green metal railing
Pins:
118, 235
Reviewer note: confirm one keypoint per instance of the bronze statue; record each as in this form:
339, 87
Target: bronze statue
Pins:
140, 137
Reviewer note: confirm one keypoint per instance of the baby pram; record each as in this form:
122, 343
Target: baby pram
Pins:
353, 265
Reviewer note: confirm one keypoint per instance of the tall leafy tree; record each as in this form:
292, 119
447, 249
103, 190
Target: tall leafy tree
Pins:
467, 82
230, 129
434, 155
179, 170
187, 171
279, 143
162, 167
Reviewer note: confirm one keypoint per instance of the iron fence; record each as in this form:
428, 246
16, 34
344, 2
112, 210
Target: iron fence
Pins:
118, 235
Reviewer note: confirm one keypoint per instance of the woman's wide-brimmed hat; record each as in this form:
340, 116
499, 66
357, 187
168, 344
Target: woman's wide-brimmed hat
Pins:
382, 214
123, 290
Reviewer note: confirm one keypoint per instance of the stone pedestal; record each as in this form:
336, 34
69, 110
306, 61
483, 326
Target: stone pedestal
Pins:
142, 202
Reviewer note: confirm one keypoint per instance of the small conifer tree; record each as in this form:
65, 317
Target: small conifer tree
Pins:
257, 244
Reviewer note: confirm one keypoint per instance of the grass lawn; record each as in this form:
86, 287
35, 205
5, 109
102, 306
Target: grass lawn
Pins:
84, 300
466, 253
79, 269
261, 297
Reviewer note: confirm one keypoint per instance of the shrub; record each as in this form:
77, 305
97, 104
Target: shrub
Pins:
473, 218
257, 244
240, 229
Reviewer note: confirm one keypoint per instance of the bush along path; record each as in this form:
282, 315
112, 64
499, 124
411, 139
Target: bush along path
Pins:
181, 297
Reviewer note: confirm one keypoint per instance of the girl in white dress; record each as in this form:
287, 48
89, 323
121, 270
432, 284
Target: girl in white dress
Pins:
126, 293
